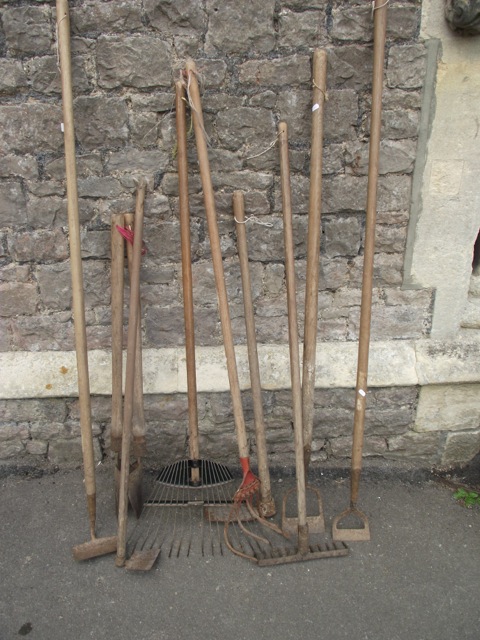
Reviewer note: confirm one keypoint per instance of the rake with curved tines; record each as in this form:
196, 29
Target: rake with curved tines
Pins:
184, 488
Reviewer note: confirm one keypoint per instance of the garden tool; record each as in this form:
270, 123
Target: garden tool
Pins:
250, 484
263, 549
133, 322
303, 524
139, 448
266, 503
340, 528
117, 285
313, 251
185, 488
96, 546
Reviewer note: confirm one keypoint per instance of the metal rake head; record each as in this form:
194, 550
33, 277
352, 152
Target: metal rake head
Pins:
249, 537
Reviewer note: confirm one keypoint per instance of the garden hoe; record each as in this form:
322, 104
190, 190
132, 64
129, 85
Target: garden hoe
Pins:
186, 487
96, 546
340, 528
313, 251
250, 484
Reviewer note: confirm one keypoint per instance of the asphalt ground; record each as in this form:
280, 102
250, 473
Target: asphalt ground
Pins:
416, 579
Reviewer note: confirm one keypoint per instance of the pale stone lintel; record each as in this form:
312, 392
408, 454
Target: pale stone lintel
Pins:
393, 363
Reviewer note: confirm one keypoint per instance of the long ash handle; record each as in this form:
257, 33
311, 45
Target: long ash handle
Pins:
187, 279
293, 333
380, 27
209, 200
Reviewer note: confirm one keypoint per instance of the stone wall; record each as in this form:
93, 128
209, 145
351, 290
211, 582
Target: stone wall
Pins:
46, 432
255, 70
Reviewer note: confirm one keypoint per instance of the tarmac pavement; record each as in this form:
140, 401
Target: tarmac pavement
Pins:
416, 579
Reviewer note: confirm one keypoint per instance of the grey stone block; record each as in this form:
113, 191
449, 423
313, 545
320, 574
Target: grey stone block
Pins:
28, 30
31, 128
48, 333
12, 76
100, 122
12, 205
232, 30
406, 66
93, 17
169, 16
134, 61
18, 166
301, 29
39, 246
461, 447
18, 298
415, 446
291, 70
246, 129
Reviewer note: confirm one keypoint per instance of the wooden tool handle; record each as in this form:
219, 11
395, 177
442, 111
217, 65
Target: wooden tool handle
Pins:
262, 457
78, 302
133, 321
187, 280
380, 27
138, 419
117, 285
313, 250
292, 324
209, 200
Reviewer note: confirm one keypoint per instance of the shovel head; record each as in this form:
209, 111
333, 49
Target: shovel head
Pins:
315, 522
142, 560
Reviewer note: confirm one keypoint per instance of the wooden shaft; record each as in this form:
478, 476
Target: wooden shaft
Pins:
209, 200
313, 250
380, 26
187, 279
262, 457
292, 324
117, 285
133, 321
78, 302
138, 419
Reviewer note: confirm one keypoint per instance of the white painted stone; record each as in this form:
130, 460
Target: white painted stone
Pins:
160, 371
448, 408
393, 363
390, 364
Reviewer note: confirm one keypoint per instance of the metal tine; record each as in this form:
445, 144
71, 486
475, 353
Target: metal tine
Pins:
179, 471
163, 514
225, 500
160, 495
